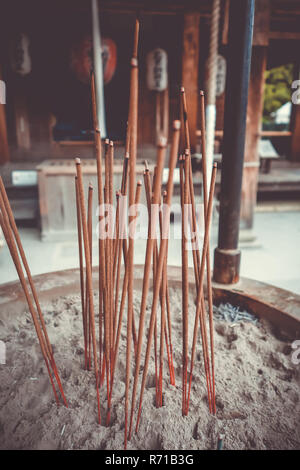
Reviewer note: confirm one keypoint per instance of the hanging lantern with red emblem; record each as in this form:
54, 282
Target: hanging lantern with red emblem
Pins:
81, 59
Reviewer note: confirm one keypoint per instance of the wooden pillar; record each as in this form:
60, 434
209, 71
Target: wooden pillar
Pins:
190, 63
240, 31
254, 112
295, 147
295, 127
4, 149
254, 119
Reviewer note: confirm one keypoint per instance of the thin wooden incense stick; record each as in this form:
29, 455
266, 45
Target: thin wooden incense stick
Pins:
90, 234
89, 274
81, 268
125, 286
8, 210
161, 151
162, 321
148, 190
168, 310
161, 259
199, 296
185, 281
208, 269
110, 244
101, 244
194, 240
170, 333
163, 331
116, 266
11, 243
121, 234
107, 311
108, 287
133, 123
15, 232
13, 251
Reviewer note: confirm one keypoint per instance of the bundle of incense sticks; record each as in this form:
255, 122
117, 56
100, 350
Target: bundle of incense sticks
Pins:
115, 283
13, 240
116, 248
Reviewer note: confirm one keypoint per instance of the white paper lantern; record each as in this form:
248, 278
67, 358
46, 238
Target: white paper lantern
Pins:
157, 70
221, 75
20, 56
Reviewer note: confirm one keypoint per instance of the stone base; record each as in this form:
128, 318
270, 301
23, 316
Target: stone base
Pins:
226, 266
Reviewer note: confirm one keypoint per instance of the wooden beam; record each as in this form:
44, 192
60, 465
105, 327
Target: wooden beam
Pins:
254, 111
190, 62
295, 144
254, 116
156, 7
225, 22
261, 23
4, 149
284, 35
219, 133
275, 133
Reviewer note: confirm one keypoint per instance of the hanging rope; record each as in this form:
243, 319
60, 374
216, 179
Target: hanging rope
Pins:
211, 87
213, 53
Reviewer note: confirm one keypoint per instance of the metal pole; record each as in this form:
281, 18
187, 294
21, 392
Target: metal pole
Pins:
98, 69
227, 256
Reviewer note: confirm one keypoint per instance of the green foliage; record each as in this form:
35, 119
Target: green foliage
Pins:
277, 89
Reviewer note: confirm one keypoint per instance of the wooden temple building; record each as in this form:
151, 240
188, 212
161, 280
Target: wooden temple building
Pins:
47, 112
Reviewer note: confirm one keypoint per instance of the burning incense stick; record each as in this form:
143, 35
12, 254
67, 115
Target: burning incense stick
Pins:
163, 292
13, 240
194, 240
133, 122
120, 234
208, 270
161, 259
101, 245
88, 274
167, 300
161, 150
185, 282
90, 233
81, 273
8, 210
108, 267
149, 194
109, 241
125, 287
195, 244
200, 296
